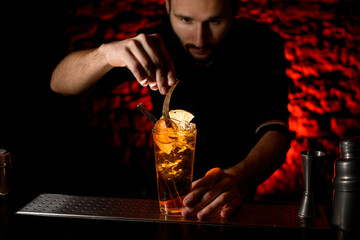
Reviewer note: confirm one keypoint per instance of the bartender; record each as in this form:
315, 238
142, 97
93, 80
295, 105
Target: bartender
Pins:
232, 79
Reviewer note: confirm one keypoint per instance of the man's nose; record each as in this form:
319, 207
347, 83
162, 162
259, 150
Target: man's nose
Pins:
201, 34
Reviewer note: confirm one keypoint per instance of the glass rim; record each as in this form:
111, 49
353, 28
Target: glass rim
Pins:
155, 131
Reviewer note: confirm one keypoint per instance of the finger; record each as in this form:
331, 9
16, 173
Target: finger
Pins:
203, 185
161, 81
218, 203
193, 184
137, 50
230, 207
144, 82
135, 67
161, 76
221, 187
148, 56
151, 46
168, 63
153, 86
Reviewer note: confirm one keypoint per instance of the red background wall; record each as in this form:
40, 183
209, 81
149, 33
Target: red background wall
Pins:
322, 46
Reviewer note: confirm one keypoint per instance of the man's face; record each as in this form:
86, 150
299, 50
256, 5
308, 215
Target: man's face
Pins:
200, 25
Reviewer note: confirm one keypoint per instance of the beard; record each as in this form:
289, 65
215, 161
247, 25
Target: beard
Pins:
203, 55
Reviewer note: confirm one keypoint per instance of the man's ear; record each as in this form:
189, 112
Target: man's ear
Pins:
167, 5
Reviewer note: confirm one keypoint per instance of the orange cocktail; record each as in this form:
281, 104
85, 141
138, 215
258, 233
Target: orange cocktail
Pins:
174, 144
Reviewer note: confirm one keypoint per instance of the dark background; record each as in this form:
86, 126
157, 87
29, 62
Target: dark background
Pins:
35, 124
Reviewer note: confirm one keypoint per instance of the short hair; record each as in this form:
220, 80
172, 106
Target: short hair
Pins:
234, 6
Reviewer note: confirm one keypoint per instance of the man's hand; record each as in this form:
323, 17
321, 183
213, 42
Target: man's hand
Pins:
146, 57
216, 190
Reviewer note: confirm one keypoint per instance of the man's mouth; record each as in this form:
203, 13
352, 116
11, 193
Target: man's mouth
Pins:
200, 51
203, 50
203, 54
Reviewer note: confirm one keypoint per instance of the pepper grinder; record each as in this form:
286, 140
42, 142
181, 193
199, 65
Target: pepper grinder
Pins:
312, 161
346, 184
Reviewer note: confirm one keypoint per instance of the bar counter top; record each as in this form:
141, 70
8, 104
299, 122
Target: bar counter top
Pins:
59, 216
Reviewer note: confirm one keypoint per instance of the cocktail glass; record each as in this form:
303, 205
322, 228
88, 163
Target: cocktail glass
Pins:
174, 160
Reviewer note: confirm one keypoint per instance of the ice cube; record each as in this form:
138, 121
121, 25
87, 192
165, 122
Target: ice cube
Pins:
185, 126
165, 125
164, 134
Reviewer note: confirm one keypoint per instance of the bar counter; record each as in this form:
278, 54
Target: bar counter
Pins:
58, 216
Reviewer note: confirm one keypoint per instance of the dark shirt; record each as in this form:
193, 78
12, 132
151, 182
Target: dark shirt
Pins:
244, 87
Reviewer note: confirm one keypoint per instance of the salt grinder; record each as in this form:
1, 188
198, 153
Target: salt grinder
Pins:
346, 182
312, 161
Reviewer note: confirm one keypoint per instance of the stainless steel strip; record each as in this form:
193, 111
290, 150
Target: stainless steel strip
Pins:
145, 210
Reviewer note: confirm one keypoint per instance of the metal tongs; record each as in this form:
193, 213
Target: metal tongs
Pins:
165, 110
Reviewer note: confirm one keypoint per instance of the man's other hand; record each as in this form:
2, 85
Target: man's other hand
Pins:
216, 190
